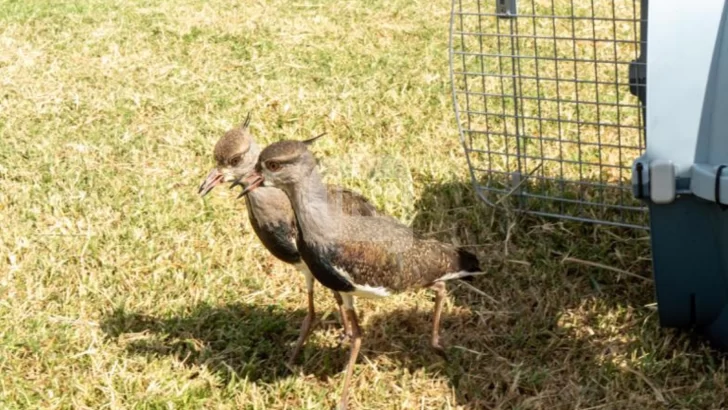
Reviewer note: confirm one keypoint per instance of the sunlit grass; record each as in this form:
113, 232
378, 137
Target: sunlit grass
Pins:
121, 288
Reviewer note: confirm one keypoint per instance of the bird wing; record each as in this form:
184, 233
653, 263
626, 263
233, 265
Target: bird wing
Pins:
394, 264
350, 202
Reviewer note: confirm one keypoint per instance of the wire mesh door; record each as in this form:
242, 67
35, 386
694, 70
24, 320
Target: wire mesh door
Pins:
548, 115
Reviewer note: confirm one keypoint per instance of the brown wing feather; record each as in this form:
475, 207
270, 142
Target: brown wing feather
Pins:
273, 220
394, 264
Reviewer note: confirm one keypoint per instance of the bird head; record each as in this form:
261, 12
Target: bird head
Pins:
235, 155
281, 164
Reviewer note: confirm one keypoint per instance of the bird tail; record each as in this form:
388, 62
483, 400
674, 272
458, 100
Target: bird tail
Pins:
468, 266
469, 263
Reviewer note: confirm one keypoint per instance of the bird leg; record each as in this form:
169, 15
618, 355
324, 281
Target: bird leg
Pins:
440, 295
307, 321
354, 352
342, 314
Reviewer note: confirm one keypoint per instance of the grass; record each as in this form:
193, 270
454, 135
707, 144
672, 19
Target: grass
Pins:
121, 288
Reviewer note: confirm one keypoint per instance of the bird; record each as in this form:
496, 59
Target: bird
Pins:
271, 215
356, 256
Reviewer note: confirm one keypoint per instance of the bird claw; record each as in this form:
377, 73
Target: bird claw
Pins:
440, 351
292, 368
344, 337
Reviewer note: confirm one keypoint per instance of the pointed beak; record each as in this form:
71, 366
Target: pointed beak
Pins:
214, 178
249, 182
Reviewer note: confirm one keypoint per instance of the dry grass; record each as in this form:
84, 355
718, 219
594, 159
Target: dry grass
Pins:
120, 288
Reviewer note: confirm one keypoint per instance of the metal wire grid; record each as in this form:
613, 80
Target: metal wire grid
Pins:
543, 102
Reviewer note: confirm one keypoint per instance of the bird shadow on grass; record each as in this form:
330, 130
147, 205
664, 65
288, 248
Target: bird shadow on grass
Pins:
538, 331
234, 340
248, 341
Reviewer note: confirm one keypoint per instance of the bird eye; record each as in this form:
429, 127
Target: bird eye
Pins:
273, 166
235, 161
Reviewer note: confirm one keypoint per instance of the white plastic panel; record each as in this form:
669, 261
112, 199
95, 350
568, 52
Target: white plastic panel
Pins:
682, 38
712, 146
715, 121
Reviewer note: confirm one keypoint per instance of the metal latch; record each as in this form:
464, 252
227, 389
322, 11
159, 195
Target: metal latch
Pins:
662, 181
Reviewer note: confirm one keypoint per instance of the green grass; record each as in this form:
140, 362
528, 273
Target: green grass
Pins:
121, 288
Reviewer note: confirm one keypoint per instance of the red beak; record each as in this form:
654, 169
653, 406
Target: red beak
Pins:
214, 178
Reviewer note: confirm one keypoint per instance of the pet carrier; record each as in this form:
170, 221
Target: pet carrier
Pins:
563, 113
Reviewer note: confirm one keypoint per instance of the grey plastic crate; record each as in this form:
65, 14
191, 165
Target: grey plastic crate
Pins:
682, 174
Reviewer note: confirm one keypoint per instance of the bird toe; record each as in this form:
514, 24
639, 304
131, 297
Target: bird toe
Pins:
440, 350
344, 337
292, 368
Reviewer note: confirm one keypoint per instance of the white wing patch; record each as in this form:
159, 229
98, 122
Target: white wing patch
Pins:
364, 291
457, 275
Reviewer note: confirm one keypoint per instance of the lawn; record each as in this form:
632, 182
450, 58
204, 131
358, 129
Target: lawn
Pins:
121, 288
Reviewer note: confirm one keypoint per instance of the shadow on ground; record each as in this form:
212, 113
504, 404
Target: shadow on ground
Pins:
236, 340
540, 329
544, 327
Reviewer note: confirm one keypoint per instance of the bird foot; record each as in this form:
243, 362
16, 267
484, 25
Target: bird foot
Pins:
291, 367
344, 337
294, 368
440, 350
291, 363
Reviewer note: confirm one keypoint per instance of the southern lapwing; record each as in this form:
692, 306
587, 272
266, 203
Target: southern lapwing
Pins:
270, 213
354, 255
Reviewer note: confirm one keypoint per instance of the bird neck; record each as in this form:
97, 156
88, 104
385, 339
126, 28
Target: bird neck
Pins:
316, 221
254, 198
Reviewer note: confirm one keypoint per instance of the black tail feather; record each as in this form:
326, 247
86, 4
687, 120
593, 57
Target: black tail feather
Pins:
468, 263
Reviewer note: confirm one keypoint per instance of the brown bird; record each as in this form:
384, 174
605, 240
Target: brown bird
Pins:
366, 256
271, 215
